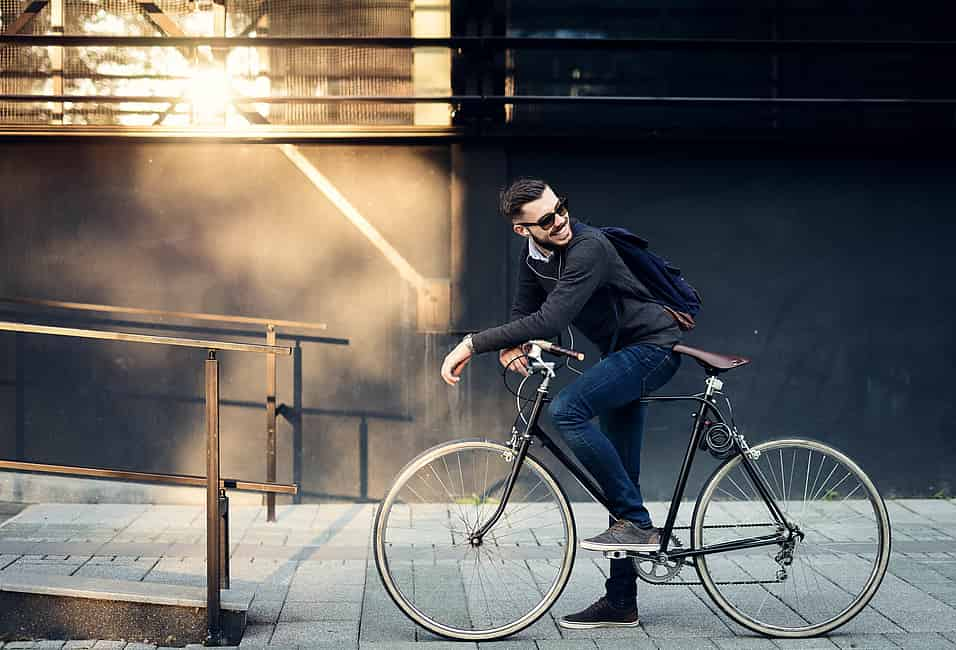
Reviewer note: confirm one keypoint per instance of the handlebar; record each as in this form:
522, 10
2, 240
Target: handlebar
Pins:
548, 346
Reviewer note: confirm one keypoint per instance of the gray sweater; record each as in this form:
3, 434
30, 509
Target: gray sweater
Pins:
579, 285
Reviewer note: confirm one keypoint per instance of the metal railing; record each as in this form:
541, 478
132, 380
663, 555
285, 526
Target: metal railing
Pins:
217, 503
271, 326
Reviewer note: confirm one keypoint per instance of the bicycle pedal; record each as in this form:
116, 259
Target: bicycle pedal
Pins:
616, 555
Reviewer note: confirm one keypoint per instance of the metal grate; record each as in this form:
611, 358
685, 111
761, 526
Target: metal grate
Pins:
186, 71
24, 70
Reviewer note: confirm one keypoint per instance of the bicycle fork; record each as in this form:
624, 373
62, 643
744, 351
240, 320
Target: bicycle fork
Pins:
523, 442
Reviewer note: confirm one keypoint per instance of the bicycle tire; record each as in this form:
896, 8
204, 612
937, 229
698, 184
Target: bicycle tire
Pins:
822, 541
395, 577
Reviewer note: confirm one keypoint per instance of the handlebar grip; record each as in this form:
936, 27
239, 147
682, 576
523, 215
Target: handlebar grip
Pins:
548, 346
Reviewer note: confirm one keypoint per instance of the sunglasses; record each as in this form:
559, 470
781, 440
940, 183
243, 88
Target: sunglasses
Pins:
547, 220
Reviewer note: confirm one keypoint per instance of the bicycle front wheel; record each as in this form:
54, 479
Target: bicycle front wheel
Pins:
446, 583
830, 571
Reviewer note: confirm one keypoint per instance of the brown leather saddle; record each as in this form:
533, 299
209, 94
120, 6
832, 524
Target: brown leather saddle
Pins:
712, 362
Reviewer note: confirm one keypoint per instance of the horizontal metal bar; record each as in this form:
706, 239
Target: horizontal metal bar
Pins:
145, 477
723, 547
500, 43
250, 133
221, 318
489, 99
142, 338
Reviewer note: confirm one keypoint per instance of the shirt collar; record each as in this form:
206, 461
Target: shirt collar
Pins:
536, 253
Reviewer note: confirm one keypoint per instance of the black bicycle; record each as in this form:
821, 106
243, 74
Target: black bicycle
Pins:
475, 540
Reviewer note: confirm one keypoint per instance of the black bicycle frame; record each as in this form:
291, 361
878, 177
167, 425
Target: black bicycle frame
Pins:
705, 409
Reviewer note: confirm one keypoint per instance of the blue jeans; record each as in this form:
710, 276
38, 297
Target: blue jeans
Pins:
612, 453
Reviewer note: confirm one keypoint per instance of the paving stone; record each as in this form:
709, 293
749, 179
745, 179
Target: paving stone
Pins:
383, 622
566, 644
79, 645
922, 641
816, 643
294, 611
263, 611
109, 645
507, 644
744, 643
324, 592
307, 634
140, 646
676, 626
868, 641
685, 644
256, 635
407, 645
17, 645
643, 643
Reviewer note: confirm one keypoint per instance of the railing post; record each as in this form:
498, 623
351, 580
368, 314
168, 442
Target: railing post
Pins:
363, 459
213, 577
297, 419
20, 452
270, 423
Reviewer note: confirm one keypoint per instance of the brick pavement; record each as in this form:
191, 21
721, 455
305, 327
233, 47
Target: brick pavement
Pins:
314, 583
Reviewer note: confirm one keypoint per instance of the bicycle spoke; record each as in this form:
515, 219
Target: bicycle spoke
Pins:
451, 499
746, 496
474, 589
793, 466
528, 495
832, 568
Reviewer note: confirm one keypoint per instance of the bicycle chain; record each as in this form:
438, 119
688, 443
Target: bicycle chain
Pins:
725, 582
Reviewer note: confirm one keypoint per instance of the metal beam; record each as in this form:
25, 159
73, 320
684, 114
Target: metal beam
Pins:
490, 43
163, 23
349, 211
142, 338
619, 100
26, 18
252, 134
434, 294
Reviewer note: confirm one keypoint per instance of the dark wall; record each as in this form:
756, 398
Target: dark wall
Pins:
827, 266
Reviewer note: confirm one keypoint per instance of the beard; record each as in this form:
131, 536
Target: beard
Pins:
545, 243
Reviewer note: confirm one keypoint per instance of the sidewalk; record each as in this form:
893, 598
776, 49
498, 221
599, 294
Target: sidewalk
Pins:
315, 584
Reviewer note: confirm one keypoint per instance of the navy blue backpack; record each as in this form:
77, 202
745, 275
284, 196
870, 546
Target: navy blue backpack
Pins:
664, 280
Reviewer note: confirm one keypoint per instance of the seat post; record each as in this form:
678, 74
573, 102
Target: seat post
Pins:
713, 385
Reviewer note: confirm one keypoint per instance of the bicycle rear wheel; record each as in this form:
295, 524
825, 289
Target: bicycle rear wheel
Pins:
450, 586
830, 574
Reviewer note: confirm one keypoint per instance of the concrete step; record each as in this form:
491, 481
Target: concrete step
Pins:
42, 606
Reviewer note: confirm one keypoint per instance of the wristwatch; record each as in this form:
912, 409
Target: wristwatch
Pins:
468, 344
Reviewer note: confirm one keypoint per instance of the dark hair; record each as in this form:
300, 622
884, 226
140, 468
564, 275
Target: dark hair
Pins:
520, 192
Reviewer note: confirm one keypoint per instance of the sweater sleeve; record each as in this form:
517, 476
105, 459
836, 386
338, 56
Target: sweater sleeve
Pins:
584, 272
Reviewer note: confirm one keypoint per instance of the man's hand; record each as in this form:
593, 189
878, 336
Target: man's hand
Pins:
507, 359
454, 363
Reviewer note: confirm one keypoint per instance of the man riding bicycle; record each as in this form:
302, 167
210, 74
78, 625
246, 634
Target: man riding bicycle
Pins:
572, 274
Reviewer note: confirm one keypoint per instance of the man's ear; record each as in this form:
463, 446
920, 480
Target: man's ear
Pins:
521, 231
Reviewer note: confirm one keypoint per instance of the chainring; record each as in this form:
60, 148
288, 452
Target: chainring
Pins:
656, 570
